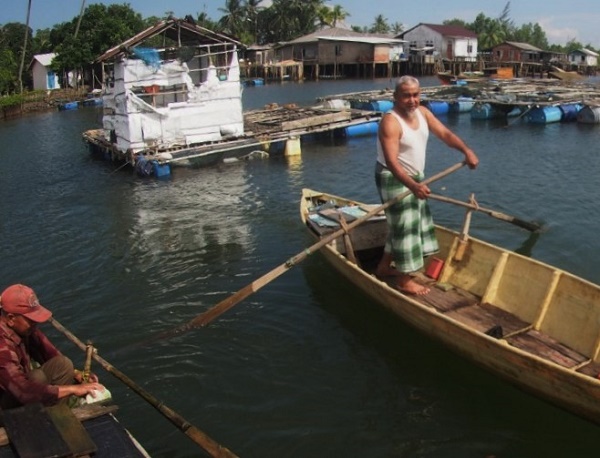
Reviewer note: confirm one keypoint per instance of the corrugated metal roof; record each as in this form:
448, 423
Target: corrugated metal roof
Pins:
446, 30
368, 40
181, 31
45, 59
523, 46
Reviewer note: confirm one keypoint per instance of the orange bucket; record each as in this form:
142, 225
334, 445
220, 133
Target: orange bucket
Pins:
434, 268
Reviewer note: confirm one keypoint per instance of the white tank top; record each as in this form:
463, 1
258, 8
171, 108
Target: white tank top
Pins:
413, 145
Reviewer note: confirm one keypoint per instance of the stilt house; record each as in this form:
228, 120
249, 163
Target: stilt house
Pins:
175, 84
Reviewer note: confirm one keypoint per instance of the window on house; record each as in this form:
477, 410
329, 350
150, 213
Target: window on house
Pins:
338, 50
469, 49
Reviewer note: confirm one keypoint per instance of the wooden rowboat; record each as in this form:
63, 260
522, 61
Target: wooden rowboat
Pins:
535, 325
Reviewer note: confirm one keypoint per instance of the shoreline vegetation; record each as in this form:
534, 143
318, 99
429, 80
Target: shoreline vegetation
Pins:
17, 105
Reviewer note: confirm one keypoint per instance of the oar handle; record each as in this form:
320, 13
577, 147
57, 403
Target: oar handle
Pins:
209, 445
529, 225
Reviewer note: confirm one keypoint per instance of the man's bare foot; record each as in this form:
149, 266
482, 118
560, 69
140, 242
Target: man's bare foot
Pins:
407, 285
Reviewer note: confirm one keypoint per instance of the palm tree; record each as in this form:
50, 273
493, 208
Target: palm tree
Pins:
325, 16
338, 14
397, 28
232, 21
492, 35
24, 47
380, 25
251, 8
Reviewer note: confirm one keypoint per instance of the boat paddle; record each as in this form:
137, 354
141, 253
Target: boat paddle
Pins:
530, 226
209, 445
206, 317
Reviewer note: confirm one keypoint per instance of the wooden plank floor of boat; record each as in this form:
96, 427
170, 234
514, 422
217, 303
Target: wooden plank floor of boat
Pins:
467, 308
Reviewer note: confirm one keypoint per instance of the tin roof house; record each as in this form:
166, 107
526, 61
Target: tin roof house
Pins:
448, 41
583, 57
185, 92
334, 52
43, 76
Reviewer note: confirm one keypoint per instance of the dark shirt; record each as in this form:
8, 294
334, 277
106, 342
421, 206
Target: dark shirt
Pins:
16, 356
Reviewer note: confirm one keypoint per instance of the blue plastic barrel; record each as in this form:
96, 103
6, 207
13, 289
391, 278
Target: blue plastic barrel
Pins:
364, 129
437, 107
462, 105
384, 105
589, 115
569, 111
544, 115
484, 111
143, 167
161, 170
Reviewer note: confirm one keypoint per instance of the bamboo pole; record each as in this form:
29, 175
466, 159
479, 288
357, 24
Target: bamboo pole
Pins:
209, 445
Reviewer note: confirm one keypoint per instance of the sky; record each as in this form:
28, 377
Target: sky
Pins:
561, 20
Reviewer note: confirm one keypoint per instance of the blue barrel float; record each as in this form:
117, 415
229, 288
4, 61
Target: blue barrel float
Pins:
570, 111
362, 130
485, 111
146, 168
437, 107
544, 115
589, 115
462, 105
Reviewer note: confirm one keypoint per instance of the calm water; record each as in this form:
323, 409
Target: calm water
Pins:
308, 366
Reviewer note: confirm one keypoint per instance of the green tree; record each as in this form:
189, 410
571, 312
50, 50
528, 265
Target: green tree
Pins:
397, 28
380, 25
8, 71
338, 14
493, 34
456, 22
232, 22
289, 19
12, 38
102, 27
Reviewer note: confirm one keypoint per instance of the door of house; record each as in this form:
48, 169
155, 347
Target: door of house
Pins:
449, 50
51, 80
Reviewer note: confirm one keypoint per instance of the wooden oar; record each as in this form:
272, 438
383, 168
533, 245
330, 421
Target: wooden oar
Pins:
209, 445
206, 317
530, 226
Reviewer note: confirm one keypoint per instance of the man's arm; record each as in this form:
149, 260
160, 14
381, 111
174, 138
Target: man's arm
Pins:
449, 137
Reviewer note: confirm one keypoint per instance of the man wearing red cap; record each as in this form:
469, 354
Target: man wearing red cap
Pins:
31, 368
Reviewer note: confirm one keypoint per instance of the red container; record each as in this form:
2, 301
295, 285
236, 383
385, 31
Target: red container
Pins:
434, 268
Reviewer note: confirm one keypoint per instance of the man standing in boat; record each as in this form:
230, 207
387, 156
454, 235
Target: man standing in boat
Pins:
31, 368
401, 152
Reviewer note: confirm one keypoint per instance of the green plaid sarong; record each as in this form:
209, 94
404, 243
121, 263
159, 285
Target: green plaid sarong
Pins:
412, 234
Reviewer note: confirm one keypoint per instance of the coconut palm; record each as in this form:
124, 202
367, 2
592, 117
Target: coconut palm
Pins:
380, 25
24, 47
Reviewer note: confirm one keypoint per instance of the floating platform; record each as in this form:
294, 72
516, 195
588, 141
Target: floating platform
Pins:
265, 131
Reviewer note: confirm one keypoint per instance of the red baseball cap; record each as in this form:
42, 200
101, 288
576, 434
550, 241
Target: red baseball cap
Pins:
22, 300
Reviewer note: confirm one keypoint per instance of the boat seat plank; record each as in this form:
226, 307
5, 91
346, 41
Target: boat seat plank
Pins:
32, 433
486, 317
592, 369
71, 430
546, 347
445, 301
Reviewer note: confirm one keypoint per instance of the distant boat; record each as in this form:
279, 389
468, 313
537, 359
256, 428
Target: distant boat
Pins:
530, 323
563, 75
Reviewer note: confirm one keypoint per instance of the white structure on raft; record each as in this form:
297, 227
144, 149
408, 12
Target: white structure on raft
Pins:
183, 95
